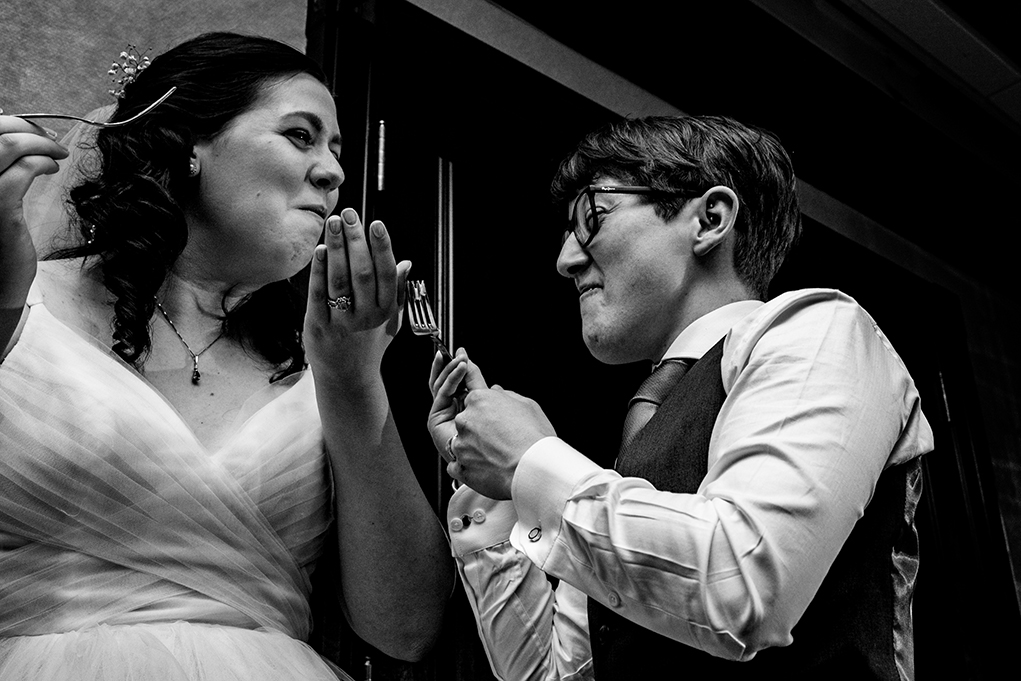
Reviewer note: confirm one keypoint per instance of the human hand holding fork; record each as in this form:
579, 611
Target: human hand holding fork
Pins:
448, 380
495, 429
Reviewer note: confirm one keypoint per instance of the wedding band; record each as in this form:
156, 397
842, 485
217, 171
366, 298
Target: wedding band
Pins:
342, 303
450, 449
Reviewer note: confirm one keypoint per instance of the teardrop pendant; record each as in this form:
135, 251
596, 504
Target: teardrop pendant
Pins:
195, 375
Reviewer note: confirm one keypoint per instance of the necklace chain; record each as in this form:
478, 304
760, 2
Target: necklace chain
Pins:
195, 375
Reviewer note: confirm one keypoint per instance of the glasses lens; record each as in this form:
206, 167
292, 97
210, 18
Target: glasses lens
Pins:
584, 218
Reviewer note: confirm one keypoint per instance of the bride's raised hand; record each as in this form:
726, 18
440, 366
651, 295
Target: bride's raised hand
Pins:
355, 300
26, 152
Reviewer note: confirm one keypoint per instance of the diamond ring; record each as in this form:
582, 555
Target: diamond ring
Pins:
342, 303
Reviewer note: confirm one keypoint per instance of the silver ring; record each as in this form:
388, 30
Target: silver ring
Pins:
342, 303
450, 449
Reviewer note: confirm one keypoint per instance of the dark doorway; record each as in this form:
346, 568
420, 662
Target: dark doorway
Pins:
472, 138
964, 574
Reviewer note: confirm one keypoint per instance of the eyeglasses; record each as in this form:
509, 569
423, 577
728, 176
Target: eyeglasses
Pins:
585, 223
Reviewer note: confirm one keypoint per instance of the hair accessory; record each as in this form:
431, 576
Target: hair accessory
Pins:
124, 72
342, 303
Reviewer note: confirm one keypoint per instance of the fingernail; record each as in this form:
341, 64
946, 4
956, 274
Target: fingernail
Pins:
377, 229
333, 224
52, 134
349, 215
320, 253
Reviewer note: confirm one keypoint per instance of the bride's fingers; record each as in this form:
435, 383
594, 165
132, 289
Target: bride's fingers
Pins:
337, 276
40, 152
316, 309
359, 274
403, 269
384, 266
21, 161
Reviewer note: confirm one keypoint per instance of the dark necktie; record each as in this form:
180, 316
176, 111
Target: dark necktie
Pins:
650, 395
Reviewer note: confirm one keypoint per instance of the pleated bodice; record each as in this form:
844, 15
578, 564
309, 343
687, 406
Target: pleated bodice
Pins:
113, 513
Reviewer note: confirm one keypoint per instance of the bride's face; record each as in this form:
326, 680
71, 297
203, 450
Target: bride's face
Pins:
266, 184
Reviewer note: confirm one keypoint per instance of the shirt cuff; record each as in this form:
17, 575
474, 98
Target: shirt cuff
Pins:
476, 522
543, 483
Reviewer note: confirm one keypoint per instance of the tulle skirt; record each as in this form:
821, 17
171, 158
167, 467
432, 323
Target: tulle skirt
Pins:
178, 651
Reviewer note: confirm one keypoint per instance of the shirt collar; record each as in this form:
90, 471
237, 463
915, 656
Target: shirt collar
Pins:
703, 333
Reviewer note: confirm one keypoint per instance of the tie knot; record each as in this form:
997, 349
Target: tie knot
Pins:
650, 395
659, 383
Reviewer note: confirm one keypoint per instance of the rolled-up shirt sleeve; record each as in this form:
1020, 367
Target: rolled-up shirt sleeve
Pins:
818, 404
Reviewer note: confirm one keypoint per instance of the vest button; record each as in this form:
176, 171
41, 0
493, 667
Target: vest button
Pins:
613, 599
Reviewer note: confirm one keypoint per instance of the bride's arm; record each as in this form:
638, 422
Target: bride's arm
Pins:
25, 153
396, 568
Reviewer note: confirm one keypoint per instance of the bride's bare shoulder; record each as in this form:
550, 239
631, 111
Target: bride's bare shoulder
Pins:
74, 295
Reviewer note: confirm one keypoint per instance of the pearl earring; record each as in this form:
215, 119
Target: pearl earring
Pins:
193, 169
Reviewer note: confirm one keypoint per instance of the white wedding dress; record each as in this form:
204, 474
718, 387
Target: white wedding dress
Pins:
129, 551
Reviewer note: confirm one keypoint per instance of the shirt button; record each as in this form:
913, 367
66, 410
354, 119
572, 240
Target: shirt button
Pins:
613, 599
535, 534
456, 525
479, 516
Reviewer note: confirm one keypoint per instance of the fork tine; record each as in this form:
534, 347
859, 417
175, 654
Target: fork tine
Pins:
410, 307
421, 317
430, 319
416, 315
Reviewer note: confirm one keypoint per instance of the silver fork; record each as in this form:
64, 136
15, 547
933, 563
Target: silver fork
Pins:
423, 323
100, 124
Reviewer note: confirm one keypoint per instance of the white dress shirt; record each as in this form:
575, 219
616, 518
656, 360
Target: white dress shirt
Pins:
817, 405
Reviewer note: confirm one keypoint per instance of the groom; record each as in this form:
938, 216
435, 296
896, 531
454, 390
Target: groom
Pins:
759, 518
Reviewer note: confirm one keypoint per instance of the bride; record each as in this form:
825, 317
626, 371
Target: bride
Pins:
179, 430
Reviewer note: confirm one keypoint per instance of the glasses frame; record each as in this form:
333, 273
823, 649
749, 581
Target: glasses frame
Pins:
592, 226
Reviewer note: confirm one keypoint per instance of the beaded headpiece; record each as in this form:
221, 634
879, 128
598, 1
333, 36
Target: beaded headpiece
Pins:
125, 71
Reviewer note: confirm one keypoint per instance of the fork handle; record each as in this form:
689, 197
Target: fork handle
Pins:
65, 117
462, 389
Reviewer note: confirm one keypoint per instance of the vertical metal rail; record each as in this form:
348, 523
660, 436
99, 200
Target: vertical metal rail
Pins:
381, 156
367, 151
443, 266
444, 251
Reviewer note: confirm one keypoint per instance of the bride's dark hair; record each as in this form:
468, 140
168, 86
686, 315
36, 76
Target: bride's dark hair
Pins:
129, 207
